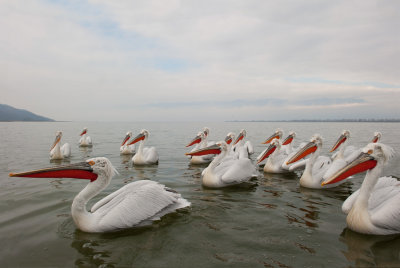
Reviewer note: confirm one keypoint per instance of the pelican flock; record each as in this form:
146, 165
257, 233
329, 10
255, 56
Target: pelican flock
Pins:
372, 209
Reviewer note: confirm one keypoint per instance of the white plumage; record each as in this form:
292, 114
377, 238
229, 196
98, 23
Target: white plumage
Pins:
85, 140
144, 155
58, 152
374, 208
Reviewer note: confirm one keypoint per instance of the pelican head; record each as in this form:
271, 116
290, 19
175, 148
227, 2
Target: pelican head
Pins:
57, 139
342, 138
371, 155
309, 148
84, 131
199, 137
143, 135
127, 137
91, 169
217, 148
229, 138
277, 135
275, 144
241, 136
206, 131
289, 138
377, 137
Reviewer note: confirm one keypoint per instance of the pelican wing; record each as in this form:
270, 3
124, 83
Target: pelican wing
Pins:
384, 203
66, 150
150, 154
134, 204
239, 170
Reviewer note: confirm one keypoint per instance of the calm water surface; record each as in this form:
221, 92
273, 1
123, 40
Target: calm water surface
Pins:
275, 223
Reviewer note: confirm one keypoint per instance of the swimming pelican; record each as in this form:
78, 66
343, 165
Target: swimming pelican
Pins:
377, 137
85, 140
243, 149
276, 156
222, 173
374, 208
125, 148
345, 155
277, 135
58, 152
342, 142
135, 204
144, 155
200, 142
316, 165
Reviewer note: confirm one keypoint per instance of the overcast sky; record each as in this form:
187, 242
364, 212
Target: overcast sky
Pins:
170, 60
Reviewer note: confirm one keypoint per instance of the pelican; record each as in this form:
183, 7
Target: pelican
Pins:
277, 135
288, 142
342, 142
201, 142
125, 148
287, 145
316, 165
222, 173
58, 152
374, 208
276, 156
345, 155
135, 204
243, 149
85, 140
144, 155
377, 137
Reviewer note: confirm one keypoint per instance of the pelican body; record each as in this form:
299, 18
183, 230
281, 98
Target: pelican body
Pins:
85, 140
144, 155
58, 152
222, 173
374, 208
135, 204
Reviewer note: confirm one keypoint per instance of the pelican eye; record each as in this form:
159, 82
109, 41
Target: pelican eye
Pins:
91, 163
370, 151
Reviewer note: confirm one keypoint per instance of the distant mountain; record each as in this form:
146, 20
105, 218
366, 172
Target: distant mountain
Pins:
8, 113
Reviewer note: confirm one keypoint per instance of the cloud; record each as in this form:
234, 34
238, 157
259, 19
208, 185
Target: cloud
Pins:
115, 60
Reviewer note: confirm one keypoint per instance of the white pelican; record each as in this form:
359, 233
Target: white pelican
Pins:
58, 152
377, 137
316, 165
287, 143
125, 148
135, 204
344, 150
222, 173
243, 149
200, 142
277, 135
144, 155
374, 208
345, 155
85, 140
276, 156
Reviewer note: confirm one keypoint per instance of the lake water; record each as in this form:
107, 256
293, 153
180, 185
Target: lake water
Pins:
276, 223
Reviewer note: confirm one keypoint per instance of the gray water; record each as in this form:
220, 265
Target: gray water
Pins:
275, 223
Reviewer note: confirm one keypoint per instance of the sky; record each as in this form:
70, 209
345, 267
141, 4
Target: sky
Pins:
209, 60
